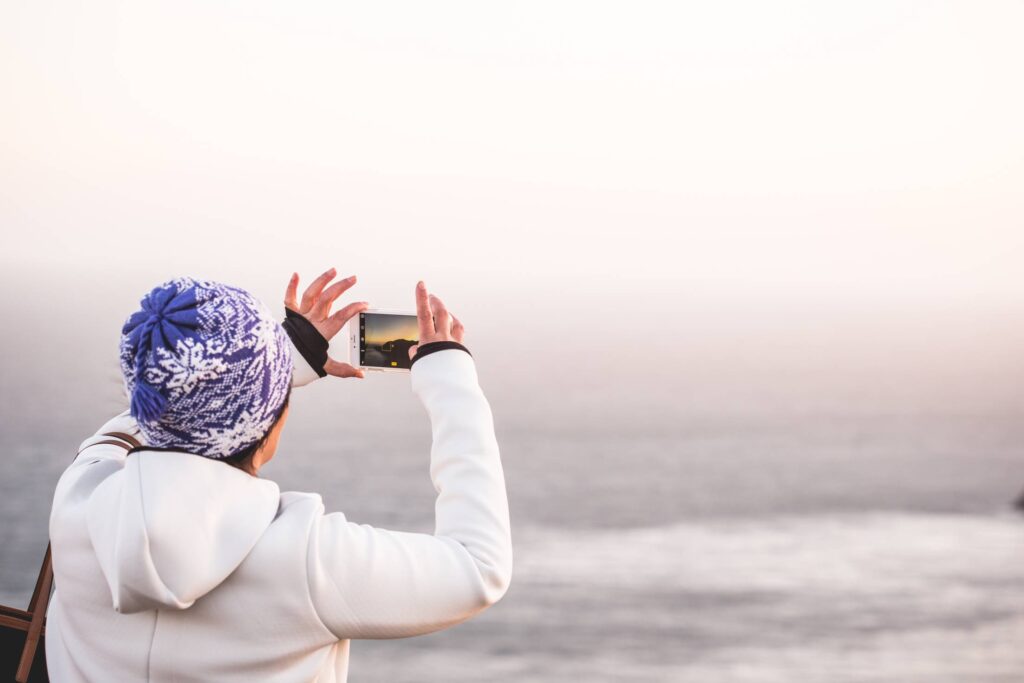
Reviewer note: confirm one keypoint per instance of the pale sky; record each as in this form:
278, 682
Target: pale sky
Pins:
811, 204
870, 149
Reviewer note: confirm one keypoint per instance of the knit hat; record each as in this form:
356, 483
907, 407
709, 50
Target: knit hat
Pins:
206, 366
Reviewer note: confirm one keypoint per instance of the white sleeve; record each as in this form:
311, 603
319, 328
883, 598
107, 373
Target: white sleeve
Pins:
374, 583
303, 373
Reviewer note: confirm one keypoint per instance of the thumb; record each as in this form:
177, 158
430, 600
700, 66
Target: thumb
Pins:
412, 350
337, 369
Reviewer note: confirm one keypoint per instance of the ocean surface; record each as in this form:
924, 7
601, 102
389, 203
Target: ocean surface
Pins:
707, 522
759, 552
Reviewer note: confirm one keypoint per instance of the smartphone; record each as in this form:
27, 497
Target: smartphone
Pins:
379, 339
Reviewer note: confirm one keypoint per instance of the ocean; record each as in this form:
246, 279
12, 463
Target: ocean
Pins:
705, 520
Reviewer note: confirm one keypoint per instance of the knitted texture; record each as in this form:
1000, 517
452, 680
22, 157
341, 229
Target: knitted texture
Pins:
206, 366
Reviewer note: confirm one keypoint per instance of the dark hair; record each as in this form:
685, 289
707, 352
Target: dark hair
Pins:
243, 459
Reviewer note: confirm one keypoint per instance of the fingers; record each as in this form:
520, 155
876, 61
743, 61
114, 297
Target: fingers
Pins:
291, 293
436, 322
312, 293
412, 351
323, 304
333, 324
423, 314
442, 320
458, 331
338, 369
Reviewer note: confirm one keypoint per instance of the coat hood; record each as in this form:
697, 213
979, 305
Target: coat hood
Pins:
171, 526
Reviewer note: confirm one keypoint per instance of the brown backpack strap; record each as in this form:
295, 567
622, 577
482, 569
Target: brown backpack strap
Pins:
132, 441
125, 441
41, 595
37, 608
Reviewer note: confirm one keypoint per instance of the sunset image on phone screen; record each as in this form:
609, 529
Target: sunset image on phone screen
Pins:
385, 339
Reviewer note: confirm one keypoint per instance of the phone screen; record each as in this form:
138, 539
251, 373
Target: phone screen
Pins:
385, 338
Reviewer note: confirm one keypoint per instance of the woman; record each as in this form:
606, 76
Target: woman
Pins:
174, 561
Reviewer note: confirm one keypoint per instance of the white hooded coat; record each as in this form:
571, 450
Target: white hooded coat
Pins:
173, 567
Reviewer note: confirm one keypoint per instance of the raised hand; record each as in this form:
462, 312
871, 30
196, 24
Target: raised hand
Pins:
436, 322
315, 306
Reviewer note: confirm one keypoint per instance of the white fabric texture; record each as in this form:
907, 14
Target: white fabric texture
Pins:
173, 567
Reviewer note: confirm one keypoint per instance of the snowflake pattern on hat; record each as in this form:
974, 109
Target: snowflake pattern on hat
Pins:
206, 366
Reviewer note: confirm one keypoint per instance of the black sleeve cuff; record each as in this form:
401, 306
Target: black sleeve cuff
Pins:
431, 347
307, 339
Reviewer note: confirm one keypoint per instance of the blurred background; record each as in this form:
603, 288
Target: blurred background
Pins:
742, 281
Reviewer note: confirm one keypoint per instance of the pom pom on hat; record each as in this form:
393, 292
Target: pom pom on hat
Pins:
147, 403
167, 317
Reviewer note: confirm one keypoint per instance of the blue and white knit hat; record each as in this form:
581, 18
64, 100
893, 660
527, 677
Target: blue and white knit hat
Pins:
207, 367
